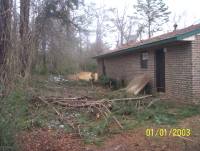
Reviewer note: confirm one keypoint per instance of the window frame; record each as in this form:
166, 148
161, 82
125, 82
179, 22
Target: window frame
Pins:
144, 57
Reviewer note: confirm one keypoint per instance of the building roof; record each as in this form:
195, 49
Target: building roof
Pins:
177, 35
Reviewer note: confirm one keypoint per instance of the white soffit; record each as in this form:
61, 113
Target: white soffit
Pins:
191, 38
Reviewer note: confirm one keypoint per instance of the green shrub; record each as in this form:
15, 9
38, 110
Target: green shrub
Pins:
13, 117
109, 82
104, 80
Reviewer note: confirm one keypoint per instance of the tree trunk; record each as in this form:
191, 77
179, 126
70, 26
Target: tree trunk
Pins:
5, 29
24, 29
15, 18
44, 43
121, 37
149, 27
68, 28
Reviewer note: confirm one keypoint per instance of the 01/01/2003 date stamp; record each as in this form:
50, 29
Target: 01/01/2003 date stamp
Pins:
162, 132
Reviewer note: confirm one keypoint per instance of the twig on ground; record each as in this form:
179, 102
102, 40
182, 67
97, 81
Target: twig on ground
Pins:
118, 123
152, 102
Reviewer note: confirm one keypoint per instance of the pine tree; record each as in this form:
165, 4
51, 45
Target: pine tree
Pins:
152, 14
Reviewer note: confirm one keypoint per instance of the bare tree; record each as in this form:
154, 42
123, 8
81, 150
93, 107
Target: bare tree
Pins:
101, 18
140, 31
152, 14
124, 25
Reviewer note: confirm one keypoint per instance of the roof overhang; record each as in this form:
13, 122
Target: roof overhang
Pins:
181, 37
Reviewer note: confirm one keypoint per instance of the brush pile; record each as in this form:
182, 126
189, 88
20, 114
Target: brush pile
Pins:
99, 108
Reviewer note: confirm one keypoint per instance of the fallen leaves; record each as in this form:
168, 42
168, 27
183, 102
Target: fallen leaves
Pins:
49, 140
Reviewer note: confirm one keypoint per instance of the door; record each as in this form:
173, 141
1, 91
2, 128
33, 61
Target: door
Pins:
103, 67
160, 70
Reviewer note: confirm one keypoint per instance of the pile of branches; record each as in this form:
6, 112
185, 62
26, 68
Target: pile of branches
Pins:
101, 108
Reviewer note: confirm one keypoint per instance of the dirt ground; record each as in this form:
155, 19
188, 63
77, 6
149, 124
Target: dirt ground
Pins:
135, 140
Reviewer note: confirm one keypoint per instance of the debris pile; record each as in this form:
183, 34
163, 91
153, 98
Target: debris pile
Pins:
99, 108
57, 79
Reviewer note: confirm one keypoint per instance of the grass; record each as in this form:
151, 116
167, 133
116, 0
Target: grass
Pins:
188, 111
17, 113
94, 132
161, 113
13, 117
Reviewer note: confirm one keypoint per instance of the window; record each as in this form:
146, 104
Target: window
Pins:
144, 59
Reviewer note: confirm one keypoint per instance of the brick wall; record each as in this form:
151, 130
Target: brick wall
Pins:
99, 66
127, 66
182, 69
196, 69
178, 72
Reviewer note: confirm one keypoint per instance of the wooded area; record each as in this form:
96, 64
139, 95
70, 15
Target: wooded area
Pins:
55, 36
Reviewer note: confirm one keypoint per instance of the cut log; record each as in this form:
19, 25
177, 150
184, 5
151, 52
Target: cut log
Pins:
85, 76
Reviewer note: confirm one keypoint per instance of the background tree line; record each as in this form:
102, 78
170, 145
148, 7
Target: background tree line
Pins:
54, 36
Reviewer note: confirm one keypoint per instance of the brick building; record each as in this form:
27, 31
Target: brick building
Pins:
172, 60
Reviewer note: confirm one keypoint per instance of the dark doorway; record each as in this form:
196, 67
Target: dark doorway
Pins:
103, 67
160, 70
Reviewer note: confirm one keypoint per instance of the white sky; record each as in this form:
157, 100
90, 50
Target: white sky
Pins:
188, 10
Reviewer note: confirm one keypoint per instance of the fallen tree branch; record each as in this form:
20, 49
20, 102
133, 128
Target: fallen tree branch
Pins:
61, 98
129, 99
61, 117
152, 102
57, 112
82, 102
118, 123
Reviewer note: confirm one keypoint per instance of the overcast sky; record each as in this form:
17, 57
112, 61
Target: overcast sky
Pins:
188, 10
